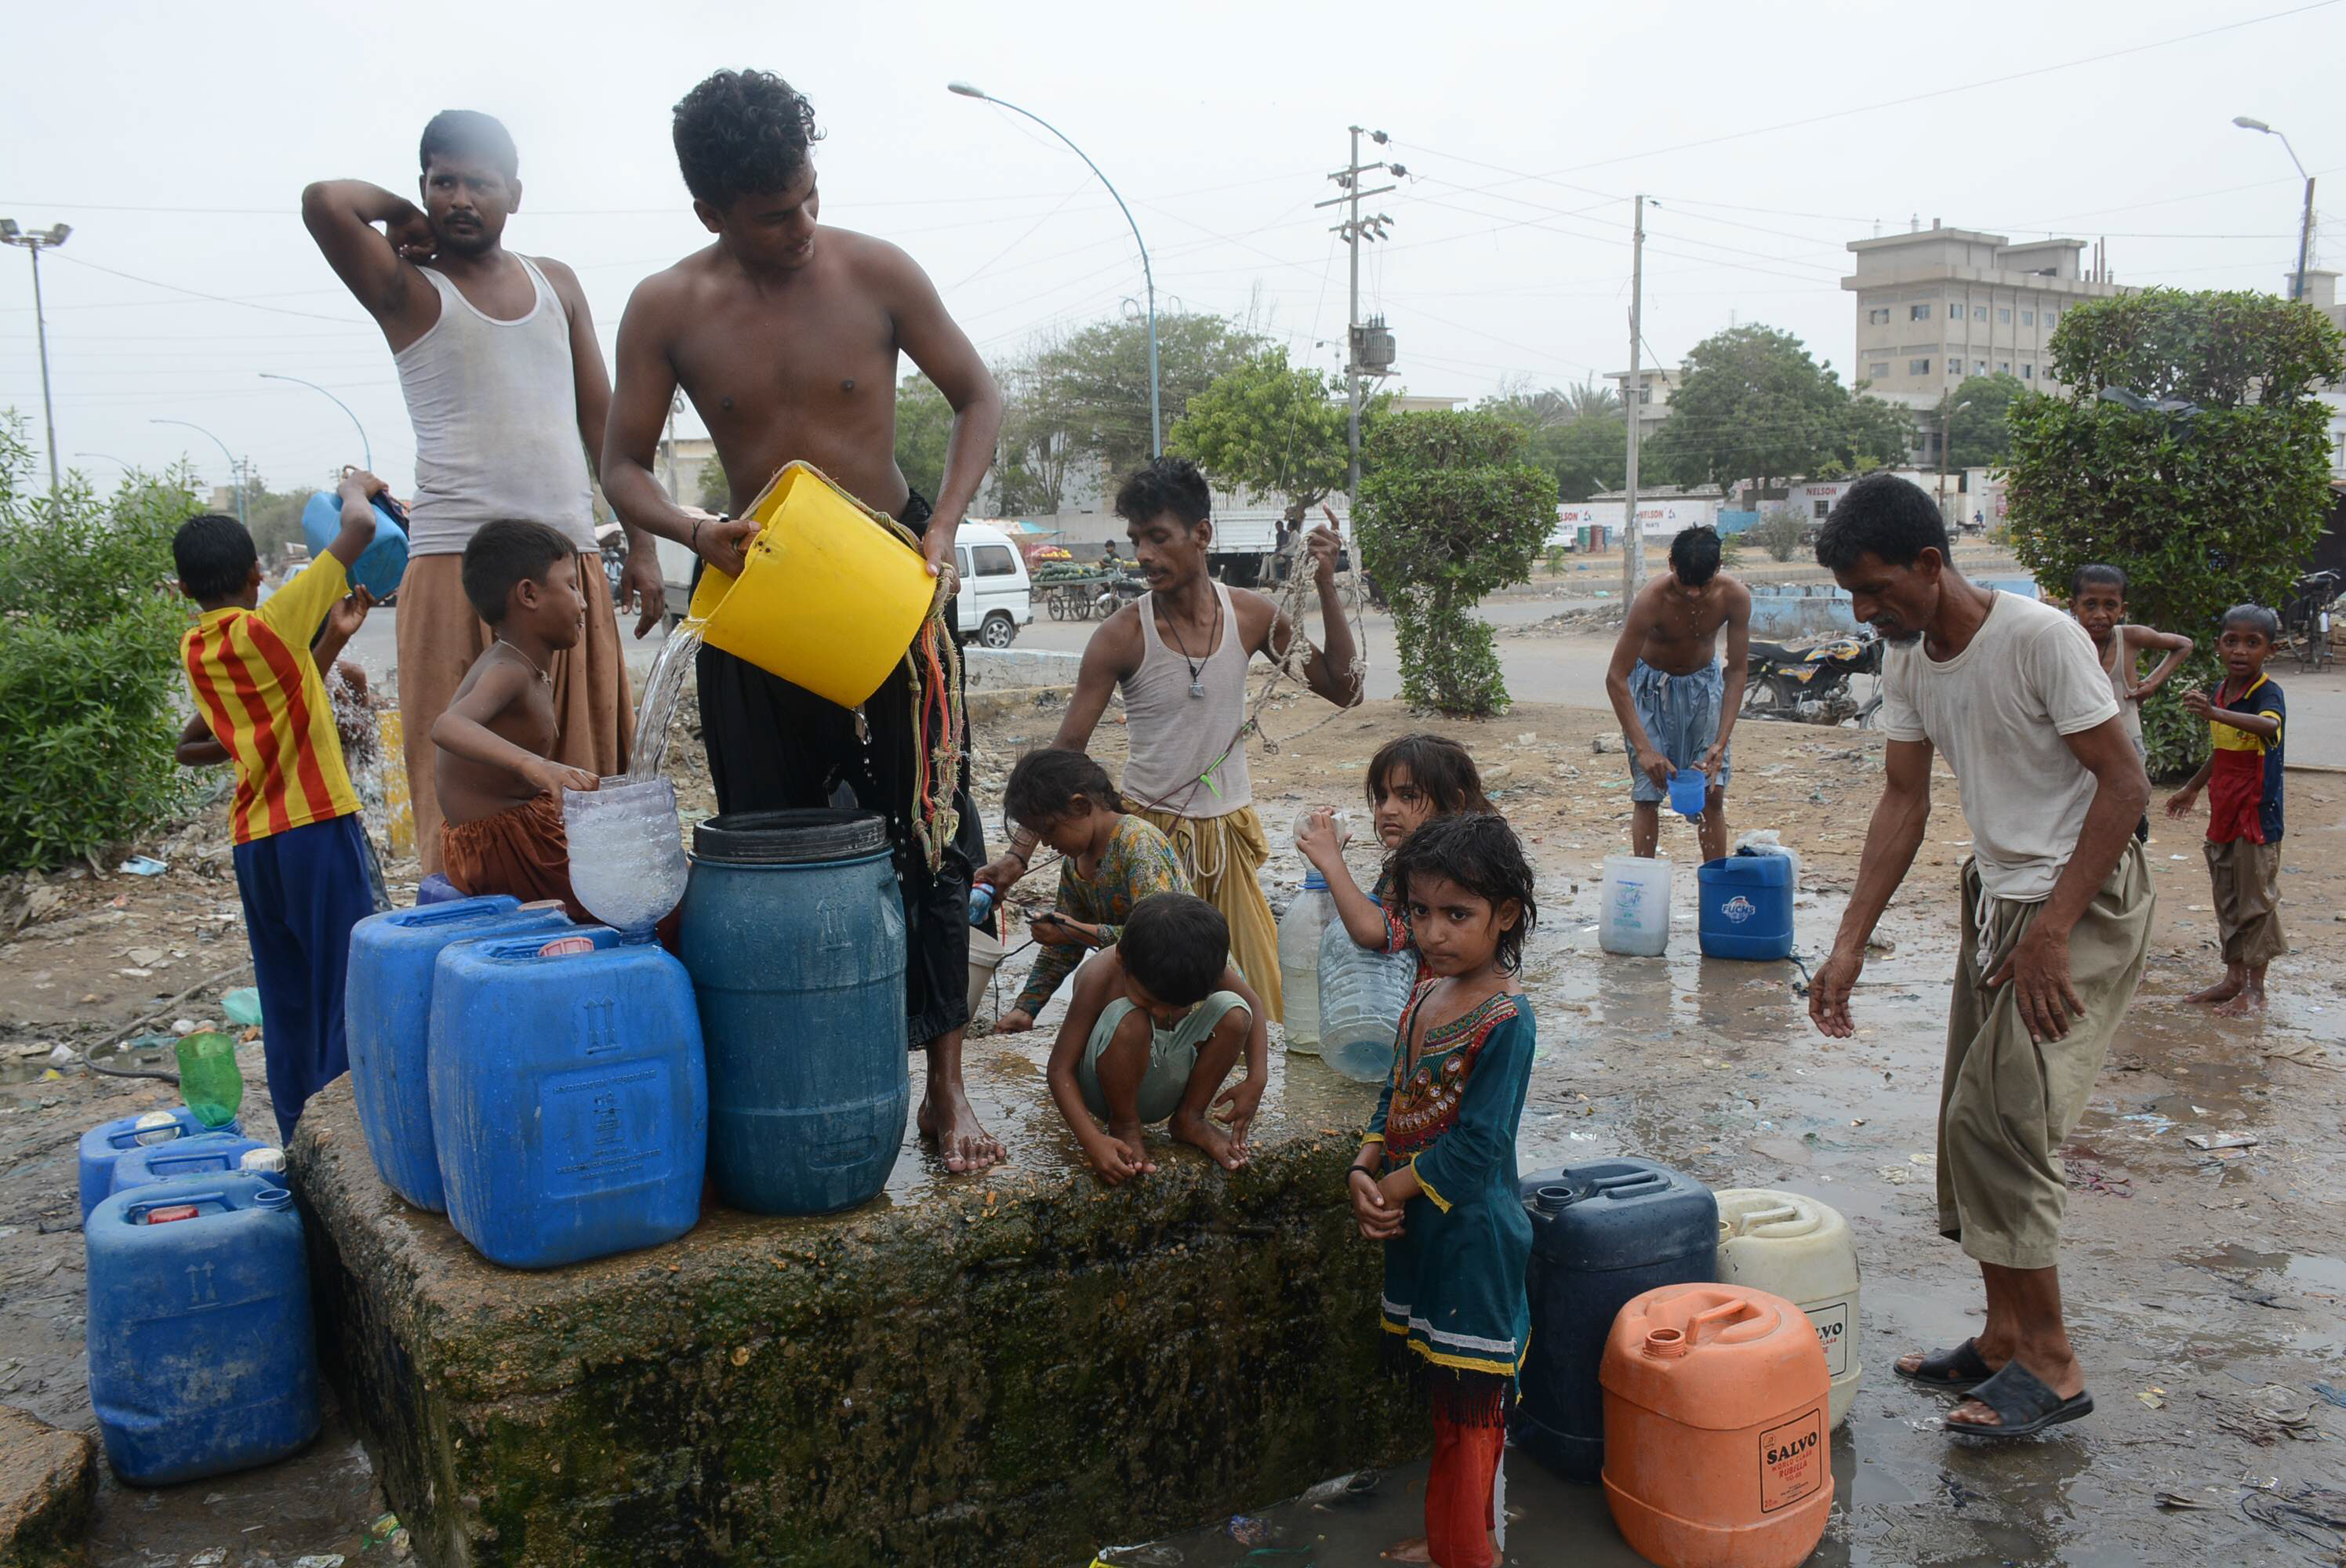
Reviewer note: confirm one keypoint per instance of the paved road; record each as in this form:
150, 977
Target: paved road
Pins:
1567, 669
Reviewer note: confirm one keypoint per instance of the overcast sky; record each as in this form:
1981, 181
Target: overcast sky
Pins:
176, 140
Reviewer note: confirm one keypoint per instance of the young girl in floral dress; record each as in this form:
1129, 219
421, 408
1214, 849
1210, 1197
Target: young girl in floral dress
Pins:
1435, 1179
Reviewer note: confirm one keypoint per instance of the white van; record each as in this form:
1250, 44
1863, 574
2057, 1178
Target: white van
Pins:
996, 600
995, 591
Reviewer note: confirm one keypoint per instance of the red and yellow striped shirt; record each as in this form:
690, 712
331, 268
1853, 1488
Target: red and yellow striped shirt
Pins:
260, 693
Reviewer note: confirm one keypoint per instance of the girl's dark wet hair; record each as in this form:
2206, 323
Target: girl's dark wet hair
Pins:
1045, 783
1439, 767
1481, 853
743, 133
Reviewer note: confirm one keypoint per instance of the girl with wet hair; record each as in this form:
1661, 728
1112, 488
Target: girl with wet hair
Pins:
1411, 781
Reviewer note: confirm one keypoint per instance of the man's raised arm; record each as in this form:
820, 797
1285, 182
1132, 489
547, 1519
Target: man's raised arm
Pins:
378, 266
639, 405
946, 356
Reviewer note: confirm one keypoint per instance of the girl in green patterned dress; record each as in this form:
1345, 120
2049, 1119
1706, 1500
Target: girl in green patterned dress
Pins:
1435, 1179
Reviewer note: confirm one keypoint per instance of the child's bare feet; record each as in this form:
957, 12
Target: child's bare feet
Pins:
2223, 990
1413, 1549
1134, 1139
1190, 1127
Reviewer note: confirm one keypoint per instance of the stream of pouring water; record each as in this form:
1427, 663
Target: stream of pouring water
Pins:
661, 688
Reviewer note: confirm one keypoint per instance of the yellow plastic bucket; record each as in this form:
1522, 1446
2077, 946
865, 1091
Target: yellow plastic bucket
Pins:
832, 595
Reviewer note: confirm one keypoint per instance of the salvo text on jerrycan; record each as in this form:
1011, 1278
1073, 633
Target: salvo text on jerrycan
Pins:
1601, 1233
108, 1142
794, 931
1717, 1445
568, 1097
200, 1358
387, 1002
1798, 1248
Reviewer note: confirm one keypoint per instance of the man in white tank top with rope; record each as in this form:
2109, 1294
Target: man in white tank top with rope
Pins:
1180, 656
506, 391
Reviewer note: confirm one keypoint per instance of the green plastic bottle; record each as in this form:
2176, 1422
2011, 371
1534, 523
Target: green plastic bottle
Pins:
209, 1080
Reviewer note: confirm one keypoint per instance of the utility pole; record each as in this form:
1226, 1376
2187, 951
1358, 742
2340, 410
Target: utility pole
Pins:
1355, 228
50, 238
1633, 535
2304, 238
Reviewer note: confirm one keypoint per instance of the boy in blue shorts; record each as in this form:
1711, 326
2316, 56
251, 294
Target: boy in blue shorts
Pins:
1675, 699
1156, 1023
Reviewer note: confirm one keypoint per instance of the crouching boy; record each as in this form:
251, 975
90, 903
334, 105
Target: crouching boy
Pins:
1156, 1024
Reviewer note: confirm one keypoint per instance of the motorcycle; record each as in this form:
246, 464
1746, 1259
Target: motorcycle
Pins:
1811, 685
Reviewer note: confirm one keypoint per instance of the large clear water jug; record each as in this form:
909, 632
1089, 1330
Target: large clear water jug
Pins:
1299, 962
626, 853
1635, 917
1361, 994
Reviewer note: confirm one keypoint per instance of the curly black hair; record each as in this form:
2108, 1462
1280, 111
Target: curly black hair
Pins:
743, 133
1894, 518
1176, 944
1478, 851
1167, 484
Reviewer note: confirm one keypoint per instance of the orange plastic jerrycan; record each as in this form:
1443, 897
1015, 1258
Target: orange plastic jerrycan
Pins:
1715, 1446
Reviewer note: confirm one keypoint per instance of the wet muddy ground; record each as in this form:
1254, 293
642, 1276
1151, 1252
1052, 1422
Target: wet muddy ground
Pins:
2206, 1289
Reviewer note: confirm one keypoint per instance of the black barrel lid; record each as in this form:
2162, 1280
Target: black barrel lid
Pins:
790, 838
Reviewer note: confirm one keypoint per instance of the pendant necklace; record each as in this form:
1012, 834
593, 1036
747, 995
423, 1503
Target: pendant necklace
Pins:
542, 673
1197, 680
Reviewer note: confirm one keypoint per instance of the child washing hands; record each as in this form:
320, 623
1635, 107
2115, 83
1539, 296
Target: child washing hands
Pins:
1412, 781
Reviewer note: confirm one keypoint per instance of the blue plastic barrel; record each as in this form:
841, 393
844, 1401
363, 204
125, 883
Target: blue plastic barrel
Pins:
387, 1009
200, 1359
381, 564
109, 1141
1601, 1233
207, 1154
569, 1101
1745, 904
794, 931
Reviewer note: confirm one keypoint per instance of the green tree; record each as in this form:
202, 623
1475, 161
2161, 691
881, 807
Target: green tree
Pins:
1977, 436
1779, 531
1273, 429
924, 430
1099, 377
1752, 405
2204, 507
1578, 434
715, 491
90, 660
1874, 433
1447, 514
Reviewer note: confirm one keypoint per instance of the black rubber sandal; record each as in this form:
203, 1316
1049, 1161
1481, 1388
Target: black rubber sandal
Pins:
1955, 1371
2023, 1406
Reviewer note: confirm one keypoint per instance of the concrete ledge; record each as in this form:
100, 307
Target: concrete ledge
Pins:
1002, 701
48, 1478
1009, 1370
1017, 667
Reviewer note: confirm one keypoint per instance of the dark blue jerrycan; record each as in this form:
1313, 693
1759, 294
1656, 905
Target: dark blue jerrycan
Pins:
205, 1154
1601, 1233
108, 1142
794, 931
387, 1009
569, 1101
1745, 906
200, 1359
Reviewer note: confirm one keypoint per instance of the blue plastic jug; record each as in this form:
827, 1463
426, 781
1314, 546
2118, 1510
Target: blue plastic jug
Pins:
387, 1009
109, 1141
381, 564
436, 889
1687, 788
205, 1155
794, 932
1601, 1233
569, 1103
1746, 906
200, 1358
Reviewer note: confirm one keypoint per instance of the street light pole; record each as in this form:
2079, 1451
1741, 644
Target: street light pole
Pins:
364, 445
35, 242
1156, 415
235, 474
2305, 221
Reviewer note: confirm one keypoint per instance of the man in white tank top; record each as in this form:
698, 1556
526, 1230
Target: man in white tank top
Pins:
1180, 656
506, 391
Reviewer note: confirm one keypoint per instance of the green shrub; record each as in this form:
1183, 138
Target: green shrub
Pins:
1557, 556
88, 660
1779, 531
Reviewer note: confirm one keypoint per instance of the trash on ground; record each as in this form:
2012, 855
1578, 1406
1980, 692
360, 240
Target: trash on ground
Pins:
142, 866
2213, 1141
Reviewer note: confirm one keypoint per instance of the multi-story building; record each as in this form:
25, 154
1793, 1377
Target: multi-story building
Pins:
1655, 385
1936, 305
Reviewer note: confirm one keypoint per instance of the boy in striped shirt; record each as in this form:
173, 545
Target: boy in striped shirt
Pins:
260, 703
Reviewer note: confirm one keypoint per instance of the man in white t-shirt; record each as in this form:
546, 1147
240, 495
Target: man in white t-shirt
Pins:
2057, 919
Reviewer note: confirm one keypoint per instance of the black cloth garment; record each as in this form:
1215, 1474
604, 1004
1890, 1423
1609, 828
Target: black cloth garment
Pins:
773, 745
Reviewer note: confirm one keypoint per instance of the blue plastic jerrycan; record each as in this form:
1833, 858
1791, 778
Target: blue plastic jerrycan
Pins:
1601, 1233
570, 1098
200, 1355
1745, 906
381, 564
387, 1009
108, 1142
205, 1154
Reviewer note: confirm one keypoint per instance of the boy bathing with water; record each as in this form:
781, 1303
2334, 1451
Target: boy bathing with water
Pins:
500, 793
2097, 597
2245, 719
1157, 1023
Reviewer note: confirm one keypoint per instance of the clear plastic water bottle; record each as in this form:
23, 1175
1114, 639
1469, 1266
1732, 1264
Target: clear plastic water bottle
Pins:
1300, 931
1361, 994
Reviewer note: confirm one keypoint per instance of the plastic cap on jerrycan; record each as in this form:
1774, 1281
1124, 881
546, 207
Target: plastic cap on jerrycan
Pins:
1717, 1452
200, 1355
1602, 1233
387, 1002
108, 1142
1796, 1247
